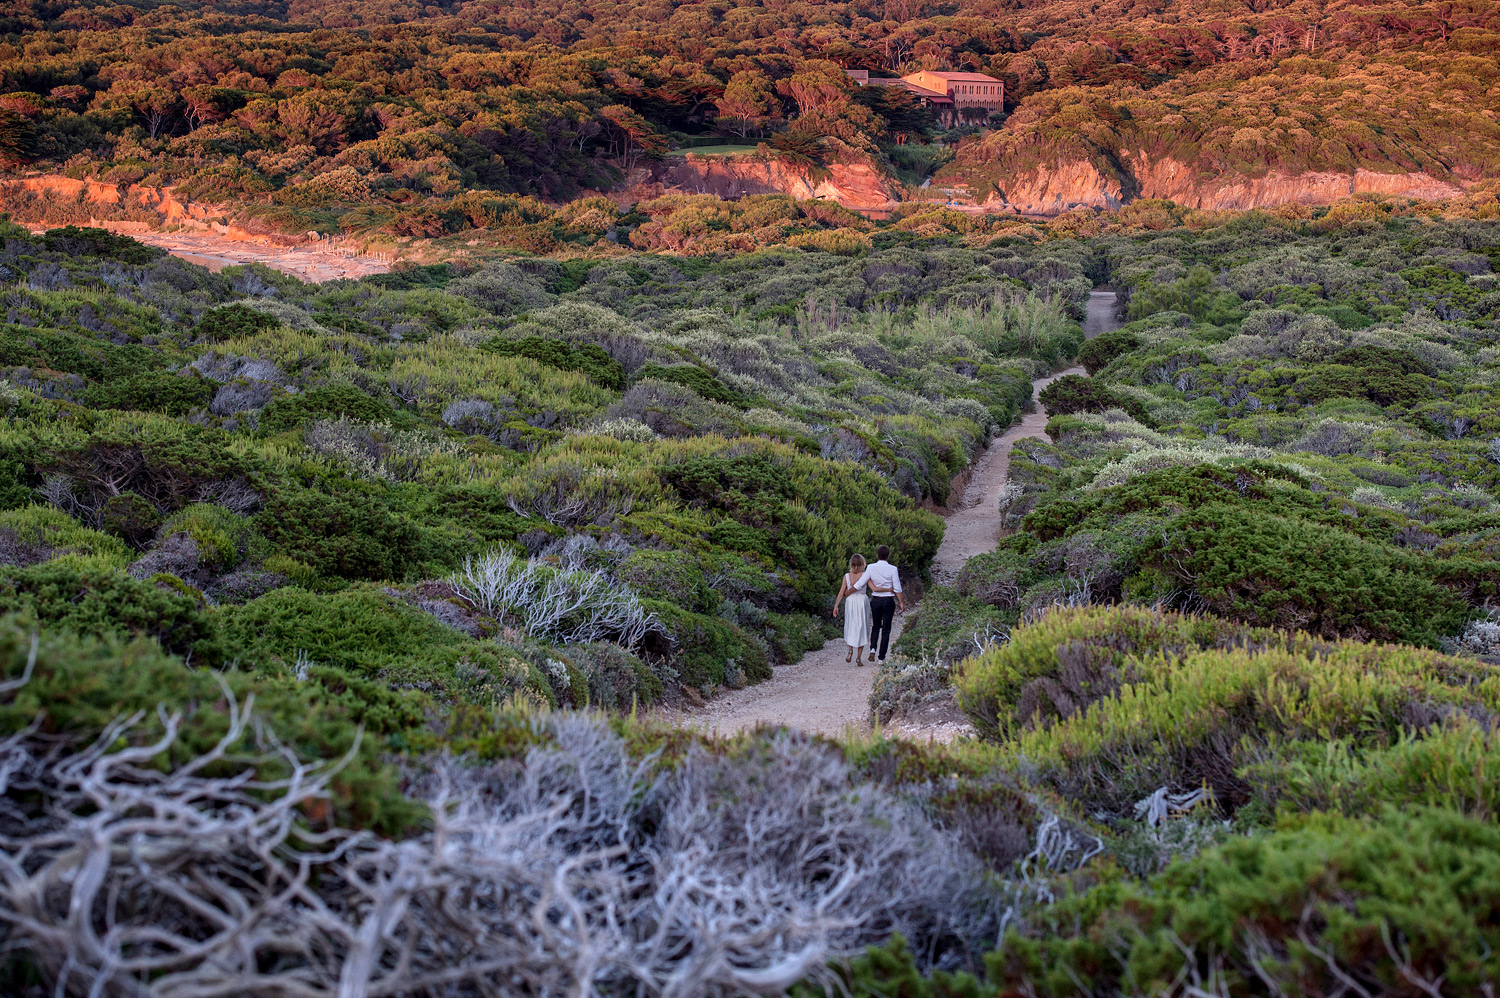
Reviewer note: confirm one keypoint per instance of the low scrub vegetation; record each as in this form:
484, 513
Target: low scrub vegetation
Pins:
467, 489
346, 606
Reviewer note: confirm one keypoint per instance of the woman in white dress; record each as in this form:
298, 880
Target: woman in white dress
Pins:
856, 610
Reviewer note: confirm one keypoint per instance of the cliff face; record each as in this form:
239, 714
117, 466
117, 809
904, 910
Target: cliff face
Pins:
1063, 186
1080, 184
853, 185
160, 202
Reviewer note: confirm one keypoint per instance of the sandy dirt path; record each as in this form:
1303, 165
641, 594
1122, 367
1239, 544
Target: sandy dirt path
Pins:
311, 262
974, 526
822, 692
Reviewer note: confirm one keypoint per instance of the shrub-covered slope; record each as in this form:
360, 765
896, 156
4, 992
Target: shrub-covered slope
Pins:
589, 483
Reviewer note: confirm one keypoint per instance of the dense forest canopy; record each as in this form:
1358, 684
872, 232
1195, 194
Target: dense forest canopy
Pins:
310, 104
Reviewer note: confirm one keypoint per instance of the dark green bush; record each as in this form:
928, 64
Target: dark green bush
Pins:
617, 680
1013, 685
792, 635
669, 575
704, 650
74, 240
323, 402
589, 358
73, 353
1291, 573
130, 516
1099, 351
359, 630
1258, 486
228, 322
168, 463
947, 625
102, 602
83, 683
153, 391
700, 380
1073, 393
1377, 902
351, 531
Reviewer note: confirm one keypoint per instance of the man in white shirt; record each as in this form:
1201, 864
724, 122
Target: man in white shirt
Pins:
885, 595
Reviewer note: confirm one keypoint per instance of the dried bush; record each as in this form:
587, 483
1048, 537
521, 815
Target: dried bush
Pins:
576, 871
625, 428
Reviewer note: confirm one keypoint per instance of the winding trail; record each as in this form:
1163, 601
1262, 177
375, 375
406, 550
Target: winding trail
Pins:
823, 693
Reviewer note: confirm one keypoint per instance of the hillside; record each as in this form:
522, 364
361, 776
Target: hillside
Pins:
383, 118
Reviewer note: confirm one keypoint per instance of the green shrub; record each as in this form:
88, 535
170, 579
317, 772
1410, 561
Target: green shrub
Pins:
1099, 351
705, 651
1447, 758
223, 538
83, 683
353, 531
130, 516
43, 532
324, 402
102, 602
165, 461
83, 241
361, 630
947, 624
602, 369
669, 575
1291, 573
1108, 705
71, 353
1304, 911
153, 391
700, 380
1045, 670
617, 680
792, 635
1072, 393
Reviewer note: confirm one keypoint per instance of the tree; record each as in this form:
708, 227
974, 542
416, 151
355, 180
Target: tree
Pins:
631, 135
818, 87
17, 139
749, 103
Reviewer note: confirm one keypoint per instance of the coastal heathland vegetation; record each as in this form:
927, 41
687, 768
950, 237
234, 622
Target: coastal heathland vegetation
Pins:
301, 582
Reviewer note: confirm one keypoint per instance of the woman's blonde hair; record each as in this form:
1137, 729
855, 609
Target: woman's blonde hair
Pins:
857, 563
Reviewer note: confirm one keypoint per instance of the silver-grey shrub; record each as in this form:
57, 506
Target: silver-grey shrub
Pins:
578, 871
563, 605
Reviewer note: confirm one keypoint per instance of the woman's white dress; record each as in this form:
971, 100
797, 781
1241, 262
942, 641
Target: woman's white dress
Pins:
856, 615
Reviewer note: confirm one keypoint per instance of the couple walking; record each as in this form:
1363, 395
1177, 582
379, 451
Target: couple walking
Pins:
870, 595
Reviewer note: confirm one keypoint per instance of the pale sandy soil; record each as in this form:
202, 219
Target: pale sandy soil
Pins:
314, 262
824, 694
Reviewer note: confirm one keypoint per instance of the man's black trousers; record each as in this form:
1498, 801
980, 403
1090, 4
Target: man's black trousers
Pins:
882, 611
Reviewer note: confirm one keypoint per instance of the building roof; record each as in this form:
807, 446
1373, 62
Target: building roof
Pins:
937, 96
960, 77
